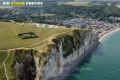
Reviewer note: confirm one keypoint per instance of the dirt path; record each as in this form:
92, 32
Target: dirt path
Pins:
5, 65
47, 39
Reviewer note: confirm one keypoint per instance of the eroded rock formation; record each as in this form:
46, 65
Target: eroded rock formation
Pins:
25, 66
67, 49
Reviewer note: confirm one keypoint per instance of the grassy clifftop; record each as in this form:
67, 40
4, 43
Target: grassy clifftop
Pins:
6, 70
9, 32
73, 38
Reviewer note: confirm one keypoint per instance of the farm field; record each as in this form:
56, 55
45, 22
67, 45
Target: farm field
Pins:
83, 3
118, 5
3, 7
75, 3
10, 30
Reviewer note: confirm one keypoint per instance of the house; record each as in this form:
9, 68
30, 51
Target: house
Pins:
68, 26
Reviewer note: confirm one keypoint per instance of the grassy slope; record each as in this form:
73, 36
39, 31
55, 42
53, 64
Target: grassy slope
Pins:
9, 65
9, 62
3, 55
9, 31
3, 7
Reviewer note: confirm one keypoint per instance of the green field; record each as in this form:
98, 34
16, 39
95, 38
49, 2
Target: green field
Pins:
10, 61
2, 72
75, 3
9, 31
79, 3
3, 7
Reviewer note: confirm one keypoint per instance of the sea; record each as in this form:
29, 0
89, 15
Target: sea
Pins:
103, 62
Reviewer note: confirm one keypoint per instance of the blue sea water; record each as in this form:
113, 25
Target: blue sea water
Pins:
103, 63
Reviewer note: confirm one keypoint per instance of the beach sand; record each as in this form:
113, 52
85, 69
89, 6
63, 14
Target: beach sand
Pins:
108, 33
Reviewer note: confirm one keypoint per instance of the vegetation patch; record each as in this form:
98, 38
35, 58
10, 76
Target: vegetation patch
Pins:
3, 55
6, 7
27, 35
72, 41
75, 3
10, 65
9, 39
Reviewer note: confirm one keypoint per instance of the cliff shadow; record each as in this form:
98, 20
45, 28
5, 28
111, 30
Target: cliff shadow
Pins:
77, 69
98, 51
71, 78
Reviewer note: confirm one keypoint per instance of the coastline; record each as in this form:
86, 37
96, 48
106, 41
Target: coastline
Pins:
67, 72
107, 34
70, 68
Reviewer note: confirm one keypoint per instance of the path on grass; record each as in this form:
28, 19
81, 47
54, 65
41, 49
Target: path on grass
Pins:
5, 65
47, 39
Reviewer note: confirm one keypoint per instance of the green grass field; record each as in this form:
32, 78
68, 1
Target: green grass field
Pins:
3, 7
10, 71
3, 55
8, 63
9, 31
75, 3
80, 3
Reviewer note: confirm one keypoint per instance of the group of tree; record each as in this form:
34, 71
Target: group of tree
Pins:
100, 12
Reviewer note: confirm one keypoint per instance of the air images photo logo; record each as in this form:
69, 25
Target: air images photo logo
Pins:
22, 3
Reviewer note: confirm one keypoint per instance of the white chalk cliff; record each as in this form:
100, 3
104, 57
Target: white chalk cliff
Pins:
56, 62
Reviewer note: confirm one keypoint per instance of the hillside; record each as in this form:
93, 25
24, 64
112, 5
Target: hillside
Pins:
53, 54
9, 32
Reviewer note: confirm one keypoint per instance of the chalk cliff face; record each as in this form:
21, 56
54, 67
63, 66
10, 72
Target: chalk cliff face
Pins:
67, 49
24, 64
